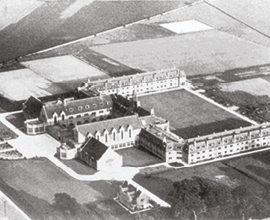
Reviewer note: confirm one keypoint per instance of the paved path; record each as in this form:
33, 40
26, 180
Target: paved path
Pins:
10, 210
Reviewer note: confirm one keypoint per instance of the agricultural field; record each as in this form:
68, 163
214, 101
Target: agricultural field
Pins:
135, 157
40, 180
65, 21
256, 86
21, 84
196, 53
190, 115
11, 13
63, 68
219, 20
252, 13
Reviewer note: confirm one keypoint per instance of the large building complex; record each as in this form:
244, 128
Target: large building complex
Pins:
226, 143
108, 115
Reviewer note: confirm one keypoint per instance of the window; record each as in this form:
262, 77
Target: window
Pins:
114, 136
87, 106
106, 138
71, 110
94, 105
63, 117
97, 137
80, 108
129, 133
122, 135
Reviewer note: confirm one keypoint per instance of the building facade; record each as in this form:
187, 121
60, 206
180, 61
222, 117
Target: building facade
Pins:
161, 143
139, 83
98, 155
226, 143
115, 133
132, 198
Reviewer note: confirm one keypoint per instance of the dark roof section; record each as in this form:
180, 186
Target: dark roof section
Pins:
94, 148
32, 107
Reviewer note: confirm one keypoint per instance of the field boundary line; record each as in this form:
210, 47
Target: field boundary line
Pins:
113, 29
221, 106
236, 19
14, 205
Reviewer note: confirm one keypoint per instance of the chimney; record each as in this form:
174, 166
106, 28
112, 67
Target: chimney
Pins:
152, 111
138, 104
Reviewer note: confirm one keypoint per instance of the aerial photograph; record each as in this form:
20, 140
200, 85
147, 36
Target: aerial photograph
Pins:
134, 110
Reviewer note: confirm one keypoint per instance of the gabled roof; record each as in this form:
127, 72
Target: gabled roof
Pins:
117, 123
94, 148
33, 106
76, 106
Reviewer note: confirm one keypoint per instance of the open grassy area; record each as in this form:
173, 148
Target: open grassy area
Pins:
190, 115
64, 21
40, 180
196, 53
136, 157
252, 13
6, 133
161, 183
79, 167
219, 20
256, 166
27, 83
257, 86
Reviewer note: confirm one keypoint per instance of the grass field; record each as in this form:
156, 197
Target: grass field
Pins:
64, 21
190, 115
256, 166
256, 86
253, 13
63, 68
6, 133
135, 157
79, 167
40, 180
21, 84
196, 53
211, 16
161, 183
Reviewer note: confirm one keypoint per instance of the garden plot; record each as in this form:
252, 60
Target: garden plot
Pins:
20, 84
196, 53
63, 68
256, 86
186, 26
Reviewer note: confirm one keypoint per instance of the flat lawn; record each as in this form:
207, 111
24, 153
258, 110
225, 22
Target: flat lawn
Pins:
256, 86
6, 133
21, 84
16, 120
79, 167
195, 53
38, 182
161, 183
257, 166
63, 68
190, 115
136, 157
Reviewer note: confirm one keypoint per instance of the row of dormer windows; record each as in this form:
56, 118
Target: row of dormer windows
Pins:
88, 106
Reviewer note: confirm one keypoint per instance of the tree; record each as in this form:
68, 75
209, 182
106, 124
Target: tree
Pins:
65, 203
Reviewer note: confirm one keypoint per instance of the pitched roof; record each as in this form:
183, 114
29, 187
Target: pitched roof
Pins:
73, 106
94, 148
116, 123
33, 106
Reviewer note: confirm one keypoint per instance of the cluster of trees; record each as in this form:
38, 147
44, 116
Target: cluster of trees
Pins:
256, 107
200, 198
